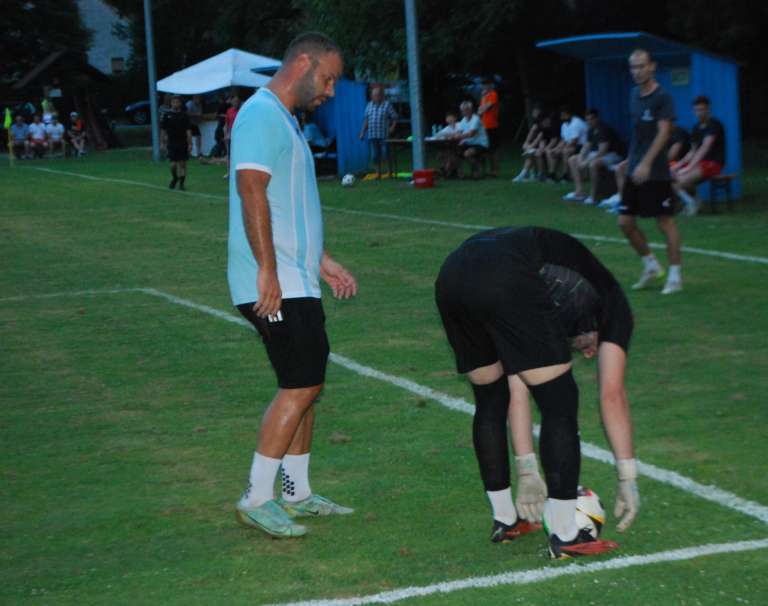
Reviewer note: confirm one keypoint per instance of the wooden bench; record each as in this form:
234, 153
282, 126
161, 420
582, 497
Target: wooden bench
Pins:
720, 183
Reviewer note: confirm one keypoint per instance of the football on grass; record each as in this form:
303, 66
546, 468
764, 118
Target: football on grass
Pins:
590, 514
348, 180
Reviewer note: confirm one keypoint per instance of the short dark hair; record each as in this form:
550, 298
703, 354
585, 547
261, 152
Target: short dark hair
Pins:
566, 109
643, 50
593, 111
701, 100
312, 43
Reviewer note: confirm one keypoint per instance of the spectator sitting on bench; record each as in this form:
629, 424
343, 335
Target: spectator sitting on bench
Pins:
55, 133
705, 158
473, 140
76, 134
602, 150
37, 138
573, 135
679, 145
447, 155
20, 134
531, 144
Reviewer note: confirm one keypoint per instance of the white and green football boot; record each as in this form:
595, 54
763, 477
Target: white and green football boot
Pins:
314, 505
271, 518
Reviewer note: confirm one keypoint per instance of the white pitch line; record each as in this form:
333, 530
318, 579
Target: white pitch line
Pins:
130, 182
525, 577
592, 451
71, 293
613, 240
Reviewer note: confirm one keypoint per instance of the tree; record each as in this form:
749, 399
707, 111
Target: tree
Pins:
33, 29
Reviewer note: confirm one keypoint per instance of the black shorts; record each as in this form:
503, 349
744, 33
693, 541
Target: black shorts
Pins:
493, 138
650, 199
297, 345
497, 309
178, 153
195, 130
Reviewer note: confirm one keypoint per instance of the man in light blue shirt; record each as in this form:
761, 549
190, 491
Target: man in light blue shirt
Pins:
473, 139
276, 260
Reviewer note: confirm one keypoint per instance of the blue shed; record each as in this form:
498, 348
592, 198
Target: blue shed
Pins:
685, 72
341, 117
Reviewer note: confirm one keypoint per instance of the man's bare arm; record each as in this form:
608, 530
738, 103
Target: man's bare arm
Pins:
257, 219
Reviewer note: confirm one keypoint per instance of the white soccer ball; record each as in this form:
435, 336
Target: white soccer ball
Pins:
590, 514
348, 180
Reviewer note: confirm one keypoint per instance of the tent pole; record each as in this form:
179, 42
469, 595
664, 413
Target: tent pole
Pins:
152, 76
414, 83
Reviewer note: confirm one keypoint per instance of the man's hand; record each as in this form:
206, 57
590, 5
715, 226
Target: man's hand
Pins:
627, 495
641, 173
270, 295
531, 489
342, 283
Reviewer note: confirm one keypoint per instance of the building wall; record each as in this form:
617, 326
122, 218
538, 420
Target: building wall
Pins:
106, 46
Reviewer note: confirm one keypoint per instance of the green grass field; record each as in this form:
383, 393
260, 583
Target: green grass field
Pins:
128, 421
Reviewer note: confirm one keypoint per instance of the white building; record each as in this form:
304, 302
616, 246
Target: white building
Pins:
108, 53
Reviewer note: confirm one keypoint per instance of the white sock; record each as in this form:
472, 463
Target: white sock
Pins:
503, 507
262, 481
560, 518
687, 198
674, 274
650, 262
296, 477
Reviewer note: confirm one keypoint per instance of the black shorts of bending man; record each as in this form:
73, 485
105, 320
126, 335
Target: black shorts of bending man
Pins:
513, 303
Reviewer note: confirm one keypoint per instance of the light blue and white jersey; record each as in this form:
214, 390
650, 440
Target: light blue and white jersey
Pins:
268, 138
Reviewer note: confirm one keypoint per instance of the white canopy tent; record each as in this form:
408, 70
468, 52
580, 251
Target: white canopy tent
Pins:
233, 67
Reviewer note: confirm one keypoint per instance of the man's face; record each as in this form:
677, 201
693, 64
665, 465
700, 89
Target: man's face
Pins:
36, 119
466, 111
586, 343
641, 67
702, 112
19, 120
450, 119
317, 85
592, 120
377, 95
565, 116
175, 104
235, 102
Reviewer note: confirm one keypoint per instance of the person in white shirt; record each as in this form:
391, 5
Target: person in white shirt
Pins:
55, 133
38, 137
573, 135
473, 139
447, 154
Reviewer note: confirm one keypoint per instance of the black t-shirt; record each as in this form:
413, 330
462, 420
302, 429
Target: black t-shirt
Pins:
646, 112
712, 128
602, 133
176, 125
550, 127
680, 135
585, 292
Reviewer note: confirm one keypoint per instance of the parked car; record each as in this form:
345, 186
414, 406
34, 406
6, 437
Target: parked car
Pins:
138, 113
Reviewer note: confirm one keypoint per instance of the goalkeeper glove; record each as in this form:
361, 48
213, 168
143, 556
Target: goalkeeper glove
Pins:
627, 496
531, 489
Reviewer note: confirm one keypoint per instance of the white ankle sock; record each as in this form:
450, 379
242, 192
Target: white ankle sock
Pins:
296, 477
650, 262
503, 507
262, 481
675, 273
560, 518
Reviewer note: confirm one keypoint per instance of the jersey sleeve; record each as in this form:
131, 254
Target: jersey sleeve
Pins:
614, 315
666, 109
257, 140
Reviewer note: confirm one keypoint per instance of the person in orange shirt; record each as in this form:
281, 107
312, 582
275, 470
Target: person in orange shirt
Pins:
489, 114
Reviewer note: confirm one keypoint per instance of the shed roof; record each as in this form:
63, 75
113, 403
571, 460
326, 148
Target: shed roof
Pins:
618, 45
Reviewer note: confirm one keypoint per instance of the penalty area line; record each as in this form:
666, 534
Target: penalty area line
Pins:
665, 476
525, 577
404, 218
